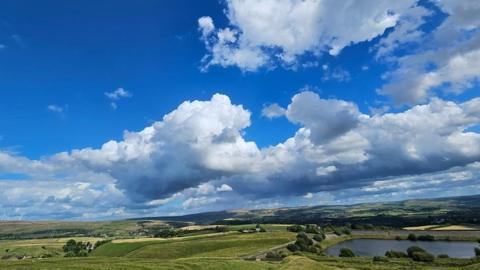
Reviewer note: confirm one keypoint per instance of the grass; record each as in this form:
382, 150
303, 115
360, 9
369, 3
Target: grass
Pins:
226, 245
38, 247
211, 252
290, 263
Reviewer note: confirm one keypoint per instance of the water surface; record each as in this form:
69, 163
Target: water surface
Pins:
377, 247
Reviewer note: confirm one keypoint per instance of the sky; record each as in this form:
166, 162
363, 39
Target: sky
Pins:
115, 109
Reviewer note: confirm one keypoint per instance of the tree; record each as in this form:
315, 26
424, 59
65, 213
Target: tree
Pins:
296, 228
76, 249
319, 237
303, 241
413, 249
412, 237
345, 252
293, 248
312, 228
422, 257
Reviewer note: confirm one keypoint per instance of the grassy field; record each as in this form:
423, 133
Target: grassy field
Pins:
226, 245
215, 251
37, 247
290, 263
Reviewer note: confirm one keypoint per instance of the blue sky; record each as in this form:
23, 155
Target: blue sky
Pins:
76, 76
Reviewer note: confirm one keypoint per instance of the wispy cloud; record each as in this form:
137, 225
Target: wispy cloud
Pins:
56, 108
116, 95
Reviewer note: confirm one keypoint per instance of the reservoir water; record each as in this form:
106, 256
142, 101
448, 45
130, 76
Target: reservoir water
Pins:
374, 247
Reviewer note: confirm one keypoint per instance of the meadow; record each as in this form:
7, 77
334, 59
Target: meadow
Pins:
229, 250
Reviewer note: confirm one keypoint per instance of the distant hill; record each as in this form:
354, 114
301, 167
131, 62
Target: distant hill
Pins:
453, 210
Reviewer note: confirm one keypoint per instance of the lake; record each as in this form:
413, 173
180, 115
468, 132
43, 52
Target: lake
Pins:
375, 247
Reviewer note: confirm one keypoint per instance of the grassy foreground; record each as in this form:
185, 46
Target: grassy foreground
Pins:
290, 263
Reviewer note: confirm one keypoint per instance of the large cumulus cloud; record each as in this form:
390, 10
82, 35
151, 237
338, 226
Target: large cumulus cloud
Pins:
267, 32
197, 156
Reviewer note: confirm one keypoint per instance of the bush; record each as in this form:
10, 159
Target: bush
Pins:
319, 237
273, 255
345, 252
426, 238
422, 257
293, 248
477, 252
303, 241
312, 228
398, 238
412, 237
443, 256
101, 242
221, 229
396, 254
313, 249
413, 249
380, 259
296, 228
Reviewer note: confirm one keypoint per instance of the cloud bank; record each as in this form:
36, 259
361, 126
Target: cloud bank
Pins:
197, 158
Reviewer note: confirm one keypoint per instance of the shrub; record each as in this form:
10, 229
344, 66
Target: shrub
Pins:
313, 249
312, 228
413, 249
422, 257
477, 252
296, 228
380, 259
101, 242
443, 256
345, 252
412, 237
221, 229
395, 254
426, 238
319, 237
303, 241
274, 255
293, 247
398, 238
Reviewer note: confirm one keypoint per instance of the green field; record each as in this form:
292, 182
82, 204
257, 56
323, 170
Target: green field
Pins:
215, 251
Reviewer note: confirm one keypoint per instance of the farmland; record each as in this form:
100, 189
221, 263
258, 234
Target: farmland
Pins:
190, 242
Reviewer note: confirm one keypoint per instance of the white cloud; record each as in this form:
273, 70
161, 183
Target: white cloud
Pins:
116, 95
224, 188
309, 195
273, 111
447, 60
197, 157
282, 31
55, 108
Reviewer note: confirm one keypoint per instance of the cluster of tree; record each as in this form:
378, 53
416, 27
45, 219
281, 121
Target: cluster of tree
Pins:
164, 232
414, 252
427, 237
418, 254
304, 243
309, 228
77, 249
